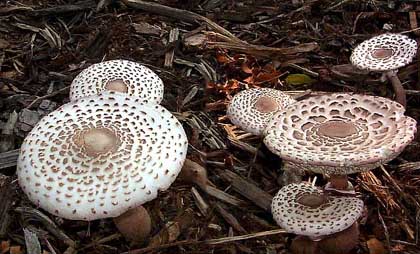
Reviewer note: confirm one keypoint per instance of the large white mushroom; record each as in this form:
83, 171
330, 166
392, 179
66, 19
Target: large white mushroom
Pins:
252, 109
121, 76
340, 134
386, 53
100, 156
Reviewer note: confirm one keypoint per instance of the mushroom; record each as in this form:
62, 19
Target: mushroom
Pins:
100, 156
252, 109
312, 214
386, 53
340, 134
121, 76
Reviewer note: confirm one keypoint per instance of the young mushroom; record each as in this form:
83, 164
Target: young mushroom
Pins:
252, 109
386, 53
313, 215
121, 76
100, 157
340, 134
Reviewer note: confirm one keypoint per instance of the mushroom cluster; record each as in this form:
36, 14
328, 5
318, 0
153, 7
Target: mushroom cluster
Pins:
107, 152
334, 135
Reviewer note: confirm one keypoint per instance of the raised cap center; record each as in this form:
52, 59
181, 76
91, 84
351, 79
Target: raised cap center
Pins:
382, 53
117, 85
266, 104
337, 129
312, 200
98, 141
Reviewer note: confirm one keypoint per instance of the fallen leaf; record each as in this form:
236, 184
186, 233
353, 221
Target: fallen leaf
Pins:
16, 250
4, 247
375, 246
298, 79
398, 247
222, 58
245, 68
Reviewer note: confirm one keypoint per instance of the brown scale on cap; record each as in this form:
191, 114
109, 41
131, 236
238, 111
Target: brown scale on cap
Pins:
121, 76
100, 156
340, 134
305, 210
252, 109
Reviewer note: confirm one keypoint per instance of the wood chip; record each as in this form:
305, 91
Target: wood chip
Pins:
249, 190
146, 28
230, 219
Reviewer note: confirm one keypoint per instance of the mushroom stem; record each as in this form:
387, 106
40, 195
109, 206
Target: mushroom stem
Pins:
135, 224
342, 242
304, 245
192, 172
339, 182
400, 94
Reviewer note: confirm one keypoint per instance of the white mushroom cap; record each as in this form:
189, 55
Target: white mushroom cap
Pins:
252, 109
305, 210
384, 52
101, 155
340, 133
122, 76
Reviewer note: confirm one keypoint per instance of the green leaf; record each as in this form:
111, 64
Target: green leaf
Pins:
298, 79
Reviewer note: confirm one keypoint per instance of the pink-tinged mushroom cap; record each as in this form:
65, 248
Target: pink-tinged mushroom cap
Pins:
121, 76
252, 109
305, 210
384, 52
340, 133
101, 155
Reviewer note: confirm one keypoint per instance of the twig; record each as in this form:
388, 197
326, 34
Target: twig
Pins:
223, 196
208, 242
249, 190
178, 14
304, 70
229, 41
33, 214
9, 158
388, 243
169, 56
229, 218
47, 96
101, 241
254, 159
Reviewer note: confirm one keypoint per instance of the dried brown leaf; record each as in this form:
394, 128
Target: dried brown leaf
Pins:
375, 246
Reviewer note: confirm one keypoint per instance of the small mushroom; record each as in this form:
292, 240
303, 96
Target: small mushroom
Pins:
121, 76
386, 53
307, 211
340, 134
252, 109
100, 156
